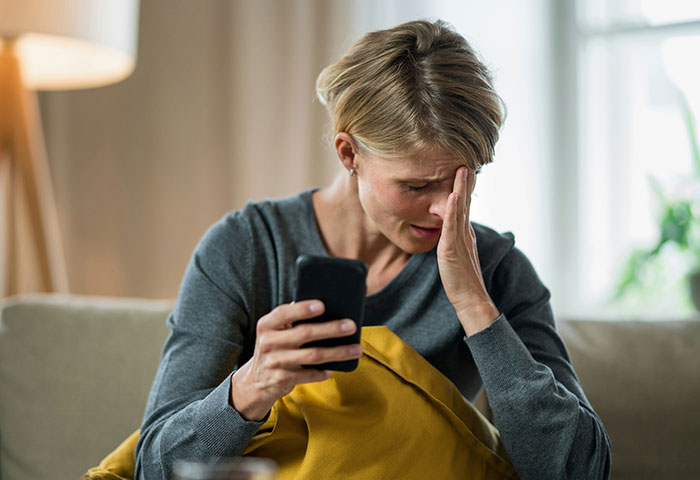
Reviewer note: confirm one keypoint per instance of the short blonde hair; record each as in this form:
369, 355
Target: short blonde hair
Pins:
414, 86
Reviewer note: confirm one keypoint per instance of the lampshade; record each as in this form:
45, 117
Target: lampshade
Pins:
69, 44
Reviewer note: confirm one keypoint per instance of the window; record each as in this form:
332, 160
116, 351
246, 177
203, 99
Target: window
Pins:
638, 76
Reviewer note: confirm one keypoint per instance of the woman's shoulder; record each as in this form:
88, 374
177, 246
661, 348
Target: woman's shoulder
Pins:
492, 245
249, 240
508, 273
260, 225
269, 215
499, 255
288, 205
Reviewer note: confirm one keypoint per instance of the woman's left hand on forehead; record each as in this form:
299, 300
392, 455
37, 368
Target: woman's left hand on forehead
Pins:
458, 259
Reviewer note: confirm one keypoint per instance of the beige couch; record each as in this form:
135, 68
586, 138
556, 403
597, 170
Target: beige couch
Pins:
75, 373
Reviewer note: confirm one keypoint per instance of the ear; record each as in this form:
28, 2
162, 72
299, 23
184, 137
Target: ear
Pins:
346, 149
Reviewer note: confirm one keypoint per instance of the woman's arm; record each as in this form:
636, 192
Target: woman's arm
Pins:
545, 420
188, 414
221, 369
547, 425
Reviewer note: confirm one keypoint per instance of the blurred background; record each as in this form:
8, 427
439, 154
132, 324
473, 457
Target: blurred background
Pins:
596, 172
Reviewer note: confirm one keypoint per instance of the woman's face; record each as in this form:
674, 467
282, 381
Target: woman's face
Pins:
405, 198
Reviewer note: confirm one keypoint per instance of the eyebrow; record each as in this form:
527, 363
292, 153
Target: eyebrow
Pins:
435, 180
425, 179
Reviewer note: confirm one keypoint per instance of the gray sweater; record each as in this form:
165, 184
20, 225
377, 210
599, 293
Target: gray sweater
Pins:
244, 266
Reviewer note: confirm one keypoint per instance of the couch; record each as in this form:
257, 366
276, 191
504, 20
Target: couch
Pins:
75, 373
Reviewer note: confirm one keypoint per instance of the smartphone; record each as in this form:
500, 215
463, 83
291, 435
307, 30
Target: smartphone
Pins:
340, 284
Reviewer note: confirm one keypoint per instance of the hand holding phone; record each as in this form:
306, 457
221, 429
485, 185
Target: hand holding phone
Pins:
340, 284
274, 371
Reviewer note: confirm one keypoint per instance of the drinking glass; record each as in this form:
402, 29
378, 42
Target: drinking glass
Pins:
246, 468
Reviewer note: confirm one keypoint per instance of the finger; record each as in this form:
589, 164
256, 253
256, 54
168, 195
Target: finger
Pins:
448, 223
296, 358
471, 181
458, 184
460, 187
318, 355
470, 184
284, 380
283, 316
464, 200
303, 375
310, 332
311, 375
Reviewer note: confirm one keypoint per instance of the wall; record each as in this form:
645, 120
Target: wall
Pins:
220, 110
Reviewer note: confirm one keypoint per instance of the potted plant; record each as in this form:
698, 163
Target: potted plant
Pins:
679, 227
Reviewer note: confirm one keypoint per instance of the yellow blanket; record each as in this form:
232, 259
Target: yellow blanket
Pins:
396, 416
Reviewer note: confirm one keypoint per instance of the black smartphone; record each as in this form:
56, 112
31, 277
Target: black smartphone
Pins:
340, 284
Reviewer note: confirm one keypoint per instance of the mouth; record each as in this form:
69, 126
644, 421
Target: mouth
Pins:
427, 232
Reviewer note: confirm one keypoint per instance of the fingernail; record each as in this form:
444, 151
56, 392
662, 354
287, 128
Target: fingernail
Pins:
347, 325
356, 350
316, 307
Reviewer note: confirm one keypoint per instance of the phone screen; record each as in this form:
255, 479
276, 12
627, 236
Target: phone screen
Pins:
340, 284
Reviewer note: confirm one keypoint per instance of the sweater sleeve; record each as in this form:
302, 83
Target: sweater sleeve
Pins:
546, 423
188, 414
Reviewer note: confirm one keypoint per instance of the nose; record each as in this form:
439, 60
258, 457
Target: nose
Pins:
437, 206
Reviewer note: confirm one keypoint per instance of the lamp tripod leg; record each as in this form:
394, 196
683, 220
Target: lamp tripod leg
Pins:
22, 142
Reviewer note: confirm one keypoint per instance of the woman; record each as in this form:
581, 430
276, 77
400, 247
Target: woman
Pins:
415, 117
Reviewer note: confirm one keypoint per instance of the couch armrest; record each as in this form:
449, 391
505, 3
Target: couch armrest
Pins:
643, 380
74, 377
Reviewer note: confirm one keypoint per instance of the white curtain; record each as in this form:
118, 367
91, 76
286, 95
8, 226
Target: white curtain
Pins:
219, 110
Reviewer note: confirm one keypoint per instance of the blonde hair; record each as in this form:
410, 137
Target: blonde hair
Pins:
414, 86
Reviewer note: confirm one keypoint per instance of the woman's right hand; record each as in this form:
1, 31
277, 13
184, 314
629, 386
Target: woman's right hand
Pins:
276, 366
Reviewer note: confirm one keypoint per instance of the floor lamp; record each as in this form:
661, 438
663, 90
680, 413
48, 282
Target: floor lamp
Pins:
47, 45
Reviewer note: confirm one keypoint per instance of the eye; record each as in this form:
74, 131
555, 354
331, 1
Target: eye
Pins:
416, 188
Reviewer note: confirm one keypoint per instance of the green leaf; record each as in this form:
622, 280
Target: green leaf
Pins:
631, 272
675, 224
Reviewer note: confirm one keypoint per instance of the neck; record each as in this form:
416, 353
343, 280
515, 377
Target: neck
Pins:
352, 234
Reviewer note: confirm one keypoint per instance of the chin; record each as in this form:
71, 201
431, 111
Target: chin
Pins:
424, 249
415, 246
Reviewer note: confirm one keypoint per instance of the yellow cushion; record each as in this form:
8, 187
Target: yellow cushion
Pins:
118, 465
396, 416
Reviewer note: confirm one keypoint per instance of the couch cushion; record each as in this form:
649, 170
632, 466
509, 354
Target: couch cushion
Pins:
74, 377
643, 380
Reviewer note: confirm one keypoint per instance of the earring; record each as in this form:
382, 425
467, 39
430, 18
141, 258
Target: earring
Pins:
352, 172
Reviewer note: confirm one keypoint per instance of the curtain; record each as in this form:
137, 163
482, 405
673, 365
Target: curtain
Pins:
220, 110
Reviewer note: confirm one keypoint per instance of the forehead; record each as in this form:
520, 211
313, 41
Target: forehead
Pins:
429, 164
